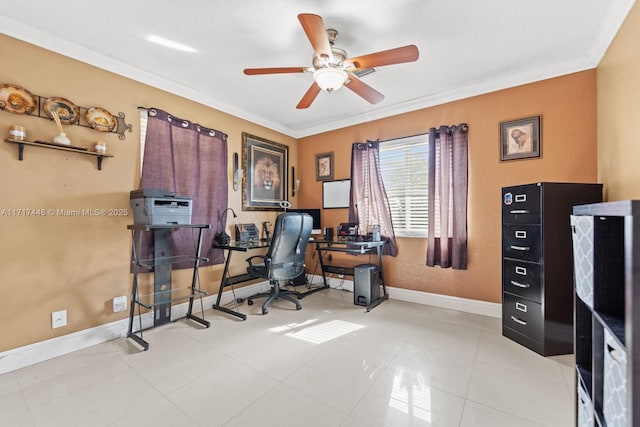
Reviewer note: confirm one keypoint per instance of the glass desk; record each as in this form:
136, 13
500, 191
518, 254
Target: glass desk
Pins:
228, 280
352, 247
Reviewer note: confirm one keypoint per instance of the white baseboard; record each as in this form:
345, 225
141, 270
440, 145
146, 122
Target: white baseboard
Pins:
31, 354
44, 350
484, 308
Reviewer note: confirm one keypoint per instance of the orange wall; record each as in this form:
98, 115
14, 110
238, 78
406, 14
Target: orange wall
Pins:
618, 112
568, 108
81, 263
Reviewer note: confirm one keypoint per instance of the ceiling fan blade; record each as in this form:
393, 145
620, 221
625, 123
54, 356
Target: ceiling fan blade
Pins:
313, 26
309, 96
277, 70
386, 57
363, 89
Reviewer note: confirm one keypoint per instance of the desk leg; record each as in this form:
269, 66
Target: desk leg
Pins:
324, 278
385, 295
137, 244
194, 281
224, 283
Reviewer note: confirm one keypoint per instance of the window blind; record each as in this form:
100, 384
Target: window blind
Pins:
403, 164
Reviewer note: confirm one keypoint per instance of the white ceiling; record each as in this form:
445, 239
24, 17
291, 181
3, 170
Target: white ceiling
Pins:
466, 48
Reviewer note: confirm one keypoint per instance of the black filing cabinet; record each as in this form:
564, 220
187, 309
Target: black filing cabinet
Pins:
537, 279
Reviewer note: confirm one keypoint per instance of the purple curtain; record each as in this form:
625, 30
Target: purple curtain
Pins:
191, 161
368, 204
447, 202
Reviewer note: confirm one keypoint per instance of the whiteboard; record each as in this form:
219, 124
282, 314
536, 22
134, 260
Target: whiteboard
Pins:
335, 194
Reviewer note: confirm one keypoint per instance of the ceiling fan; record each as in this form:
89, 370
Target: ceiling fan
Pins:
332, 69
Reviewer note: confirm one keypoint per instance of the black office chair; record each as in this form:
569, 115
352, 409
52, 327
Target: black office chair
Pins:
284, 259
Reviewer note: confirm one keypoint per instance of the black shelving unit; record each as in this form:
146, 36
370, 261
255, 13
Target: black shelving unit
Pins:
606, 242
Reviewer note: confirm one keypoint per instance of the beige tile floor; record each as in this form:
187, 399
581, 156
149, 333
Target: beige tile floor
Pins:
329, 364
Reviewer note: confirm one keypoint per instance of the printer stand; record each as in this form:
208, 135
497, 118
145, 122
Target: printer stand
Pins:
164, 294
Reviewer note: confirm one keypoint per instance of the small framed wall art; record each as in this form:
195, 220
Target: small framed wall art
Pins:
324, 166
520, 139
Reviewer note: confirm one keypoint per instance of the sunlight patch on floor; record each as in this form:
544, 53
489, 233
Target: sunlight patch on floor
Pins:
324, 332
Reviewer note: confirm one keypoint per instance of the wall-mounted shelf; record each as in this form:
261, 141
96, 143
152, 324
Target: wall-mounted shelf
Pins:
51, 145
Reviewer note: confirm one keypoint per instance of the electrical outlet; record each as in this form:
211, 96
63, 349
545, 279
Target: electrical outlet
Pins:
119, 304
59, 319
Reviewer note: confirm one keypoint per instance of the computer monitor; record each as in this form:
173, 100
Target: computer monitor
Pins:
315, 215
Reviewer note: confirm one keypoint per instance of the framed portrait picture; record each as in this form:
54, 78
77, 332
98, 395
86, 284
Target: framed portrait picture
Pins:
324, 166
265, 163
520, 139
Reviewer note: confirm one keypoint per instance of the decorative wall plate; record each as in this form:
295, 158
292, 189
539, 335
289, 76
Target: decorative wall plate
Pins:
67, 110
16, 99
100, 119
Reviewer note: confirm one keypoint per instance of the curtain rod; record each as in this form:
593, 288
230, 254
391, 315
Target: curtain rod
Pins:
464, 126
400, 137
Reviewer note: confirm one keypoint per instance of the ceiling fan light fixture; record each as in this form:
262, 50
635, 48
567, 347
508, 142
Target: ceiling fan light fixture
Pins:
330, 79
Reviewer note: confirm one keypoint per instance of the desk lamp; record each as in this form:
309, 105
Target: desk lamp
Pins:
223, 238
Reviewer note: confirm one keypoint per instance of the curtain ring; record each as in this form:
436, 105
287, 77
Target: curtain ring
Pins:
153, 113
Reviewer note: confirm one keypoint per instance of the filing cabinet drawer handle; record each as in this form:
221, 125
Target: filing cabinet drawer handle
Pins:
519, 211
520, 321
520, 248
520, 285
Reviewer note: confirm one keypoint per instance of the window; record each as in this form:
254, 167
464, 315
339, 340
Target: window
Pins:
403, 163
144, 118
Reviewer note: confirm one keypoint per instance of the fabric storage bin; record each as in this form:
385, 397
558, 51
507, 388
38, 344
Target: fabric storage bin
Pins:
615, 399
582, 227
585, 409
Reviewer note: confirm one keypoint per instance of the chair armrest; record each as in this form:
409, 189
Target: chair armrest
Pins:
250, 260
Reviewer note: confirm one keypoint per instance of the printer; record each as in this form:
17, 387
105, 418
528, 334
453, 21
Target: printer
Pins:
159, 207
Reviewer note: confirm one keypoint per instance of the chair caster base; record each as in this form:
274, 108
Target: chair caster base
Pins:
265, 311
250, 302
